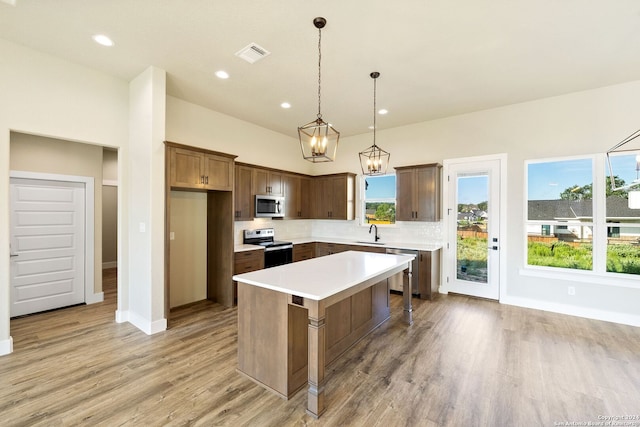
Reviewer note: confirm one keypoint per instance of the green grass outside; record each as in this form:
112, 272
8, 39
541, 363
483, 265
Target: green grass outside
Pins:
621, 258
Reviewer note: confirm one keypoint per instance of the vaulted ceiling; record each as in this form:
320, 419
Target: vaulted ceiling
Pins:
437, 58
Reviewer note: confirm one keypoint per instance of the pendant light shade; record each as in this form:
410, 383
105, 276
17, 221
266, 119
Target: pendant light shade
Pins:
374, 160
318, 139
618, 148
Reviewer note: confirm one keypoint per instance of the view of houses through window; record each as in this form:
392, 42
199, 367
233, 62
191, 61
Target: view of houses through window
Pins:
380, 199
561, 230
472, 223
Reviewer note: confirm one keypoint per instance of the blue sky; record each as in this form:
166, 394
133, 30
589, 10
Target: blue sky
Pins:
381, 187
547, 180
473, 189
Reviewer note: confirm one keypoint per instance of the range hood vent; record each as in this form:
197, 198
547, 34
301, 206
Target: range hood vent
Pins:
252, 53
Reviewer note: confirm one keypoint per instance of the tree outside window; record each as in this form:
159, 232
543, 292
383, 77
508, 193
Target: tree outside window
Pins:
379, 200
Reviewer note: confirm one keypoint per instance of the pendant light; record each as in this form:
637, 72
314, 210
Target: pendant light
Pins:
318, 139
618, 149
374, 160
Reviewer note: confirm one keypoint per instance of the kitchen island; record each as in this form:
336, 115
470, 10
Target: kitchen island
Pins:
295, 319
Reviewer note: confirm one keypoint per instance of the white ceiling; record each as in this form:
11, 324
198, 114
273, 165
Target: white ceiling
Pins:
437, 58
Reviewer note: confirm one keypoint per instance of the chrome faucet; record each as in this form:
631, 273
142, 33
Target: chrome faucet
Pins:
376, 235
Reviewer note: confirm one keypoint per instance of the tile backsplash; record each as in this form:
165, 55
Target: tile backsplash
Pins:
401, 232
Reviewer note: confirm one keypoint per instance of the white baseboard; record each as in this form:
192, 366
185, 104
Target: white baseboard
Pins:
109, 264
6, 346
144, 325
122, 316
589, 313
94, 298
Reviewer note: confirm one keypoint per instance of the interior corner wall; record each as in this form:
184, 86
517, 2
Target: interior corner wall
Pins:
146, 170
47, 96
109, 208
194, 125
48, 155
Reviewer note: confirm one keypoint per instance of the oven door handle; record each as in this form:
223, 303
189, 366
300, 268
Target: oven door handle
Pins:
278, 248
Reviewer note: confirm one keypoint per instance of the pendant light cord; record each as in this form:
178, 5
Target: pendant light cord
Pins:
319, 73
374, 110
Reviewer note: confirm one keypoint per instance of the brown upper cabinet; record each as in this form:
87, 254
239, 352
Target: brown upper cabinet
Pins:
191, 169
267, 182
306, 197
243, 195
335, 196
297, 193
418, 192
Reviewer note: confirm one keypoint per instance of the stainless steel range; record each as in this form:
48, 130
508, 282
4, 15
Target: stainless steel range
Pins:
275, 252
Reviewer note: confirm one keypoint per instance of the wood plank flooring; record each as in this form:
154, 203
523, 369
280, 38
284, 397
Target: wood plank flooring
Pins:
464, 362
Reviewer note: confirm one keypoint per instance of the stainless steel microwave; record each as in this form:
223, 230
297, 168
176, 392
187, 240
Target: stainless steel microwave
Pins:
269, 206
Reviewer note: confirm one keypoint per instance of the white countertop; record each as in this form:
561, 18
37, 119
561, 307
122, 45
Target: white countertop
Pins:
319, 278
430, 247
390, 245
243, 248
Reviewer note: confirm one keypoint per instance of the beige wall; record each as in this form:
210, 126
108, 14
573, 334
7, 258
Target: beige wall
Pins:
109, 226
188, 263
109, 208
195, 125
47, 155
109, 165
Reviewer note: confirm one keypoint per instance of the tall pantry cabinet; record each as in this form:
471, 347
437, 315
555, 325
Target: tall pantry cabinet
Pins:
198, 170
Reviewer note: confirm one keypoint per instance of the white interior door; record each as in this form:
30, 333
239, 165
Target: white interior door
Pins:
474, 240
47, 244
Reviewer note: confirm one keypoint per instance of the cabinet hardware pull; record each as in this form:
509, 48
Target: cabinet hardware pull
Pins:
207, 180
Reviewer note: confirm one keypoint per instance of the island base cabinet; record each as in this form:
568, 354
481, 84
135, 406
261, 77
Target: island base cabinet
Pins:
272, 340
351, 319
273, 334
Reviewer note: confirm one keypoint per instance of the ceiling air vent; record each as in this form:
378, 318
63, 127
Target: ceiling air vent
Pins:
252, 53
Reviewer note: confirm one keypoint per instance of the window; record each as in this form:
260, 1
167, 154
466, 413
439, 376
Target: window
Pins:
559, 197
622, 221
545, 230
379, 203
572, 223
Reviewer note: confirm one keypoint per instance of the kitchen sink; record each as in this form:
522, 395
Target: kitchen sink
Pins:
370, 243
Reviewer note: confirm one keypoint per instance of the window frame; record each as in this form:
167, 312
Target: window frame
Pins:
598, 273
362, 200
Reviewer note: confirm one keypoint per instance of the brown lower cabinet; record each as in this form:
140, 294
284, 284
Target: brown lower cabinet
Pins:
429, 273
280, 363
244, 262
323, 248
303, 251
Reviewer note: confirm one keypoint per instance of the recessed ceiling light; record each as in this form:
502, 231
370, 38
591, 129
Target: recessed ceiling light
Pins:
285, 105
383, 111
103, 40
222, 74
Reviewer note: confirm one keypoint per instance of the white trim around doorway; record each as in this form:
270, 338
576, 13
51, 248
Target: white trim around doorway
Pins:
90, 296
502, 158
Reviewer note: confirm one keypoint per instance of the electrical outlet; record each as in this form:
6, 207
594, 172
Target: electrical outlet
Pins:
571, 290
172, 235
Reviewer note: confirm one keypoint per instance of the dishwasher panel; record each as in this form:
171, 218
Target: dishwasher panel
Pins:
395, 282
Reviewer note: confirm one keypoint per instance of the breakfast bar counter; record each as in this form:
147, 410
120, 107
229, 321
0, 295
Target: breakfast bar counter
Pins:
295, 319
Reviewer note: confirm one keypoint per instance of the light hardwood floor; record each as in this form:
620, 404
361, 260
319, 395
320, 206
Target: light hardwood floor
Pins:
464, 362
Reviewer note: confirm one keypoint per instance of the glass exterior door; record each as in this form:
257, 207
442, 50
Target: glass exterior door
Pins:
474, 218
